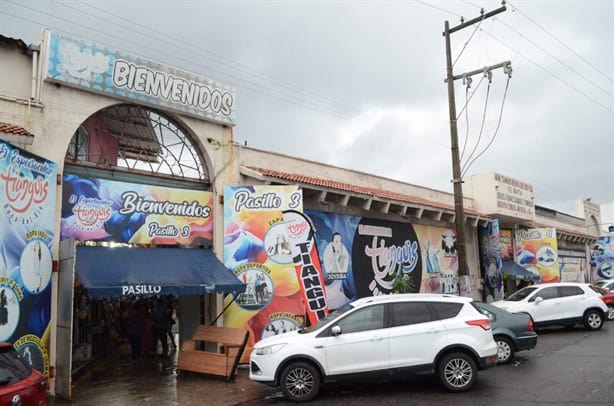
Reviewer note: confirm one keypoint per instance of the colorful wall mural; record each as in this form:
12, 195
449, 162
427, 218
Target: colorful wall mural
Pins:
365, 257
27, 220
105, 210
536, 251
258, 250
602, 258
359, 257
492, 250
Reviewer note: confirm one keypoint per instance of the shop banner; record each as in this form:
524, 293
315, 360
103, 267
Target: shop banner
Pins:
307, 263
602, 258
106, 210
27, 220
257, 250
536, 250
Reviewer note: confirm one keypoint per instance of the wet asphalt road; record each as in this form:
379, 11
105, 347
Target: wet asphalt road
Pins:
568, 367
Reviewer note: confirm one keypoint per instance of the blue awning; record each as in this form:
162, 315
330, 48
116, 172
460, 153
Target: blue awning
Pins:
513, 269
116, 272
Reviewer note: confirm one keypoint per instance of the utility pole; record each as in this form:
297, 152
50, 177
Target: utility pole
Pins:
456, 168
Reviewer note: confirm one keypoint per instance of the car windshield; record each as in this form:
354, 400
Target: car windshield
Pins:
599, 289
330, 316
12, 367
521, 294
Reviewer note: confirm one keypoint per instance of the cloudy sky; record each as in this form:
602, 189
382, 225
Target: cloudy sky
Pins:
359, 84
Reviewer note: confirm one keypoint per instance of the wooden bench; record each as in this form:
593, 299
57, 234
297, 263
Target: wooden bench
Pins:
213, 350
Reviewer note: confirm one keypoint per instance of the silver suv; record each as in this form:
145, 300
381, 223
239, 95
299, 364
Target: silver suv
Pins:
563, 303
382, 336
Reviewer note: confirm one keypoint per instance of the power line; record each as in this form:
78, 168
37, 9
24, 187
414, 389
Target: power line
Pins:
555, 58
221, 60
514, 8
550, 73
541, 49
289, 98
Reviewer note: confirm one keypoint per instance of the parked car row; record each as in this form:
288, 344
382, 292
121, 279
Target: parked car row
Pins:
394, 335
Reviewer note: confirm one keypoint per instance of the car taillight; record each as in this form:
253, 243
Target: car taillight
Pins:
484, 323
530, 326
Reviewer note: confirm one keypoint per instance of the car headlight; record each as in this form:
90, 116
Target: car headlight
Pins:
269, 349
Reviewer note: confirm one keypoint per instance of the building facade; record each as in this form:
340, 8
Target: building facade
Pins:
141, 155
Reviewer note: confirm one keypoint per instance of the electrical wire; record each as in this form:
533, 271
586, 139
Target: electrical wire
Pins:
554, 57
466, 109
477, 143
605, 75
468, 164
467, 42
260, 89
424, 3
202, 51
470, 97
550, 73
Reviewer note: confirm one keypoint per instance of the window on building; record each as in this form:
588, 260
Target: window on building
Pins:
137, 140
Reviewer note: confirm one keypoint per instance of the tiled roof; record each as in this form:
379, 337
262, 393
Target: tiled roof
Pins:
14, 41
14, 129
346, 187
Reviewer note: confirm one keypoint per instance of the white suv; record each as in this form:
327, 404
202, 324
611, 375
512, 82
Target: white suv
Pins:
381, 336
565, 304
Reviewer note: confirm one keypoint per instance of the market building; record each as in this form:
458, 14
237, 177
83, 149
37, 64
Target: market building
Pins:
138, 190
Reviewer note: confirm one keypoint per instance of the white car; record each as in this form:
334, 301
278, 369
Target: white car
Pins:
565, 304
382, 336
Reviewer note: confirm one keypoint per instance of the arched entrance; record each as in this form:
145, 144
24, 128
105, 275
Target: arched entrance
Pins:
136, 225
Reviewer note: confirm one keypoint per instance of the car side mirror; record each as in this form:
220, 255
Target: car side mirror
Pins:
335, 330
539, 299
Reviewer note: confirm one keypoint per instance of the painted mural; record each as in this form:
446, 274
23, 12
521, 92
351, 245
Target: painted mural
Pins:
105, 210
602, 258
258, 251
492, 250
365, 257
27, 220
537, 252
359, 257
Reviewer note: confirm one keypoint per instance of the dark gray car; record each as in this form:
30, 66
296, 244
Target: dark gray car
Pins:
512, 331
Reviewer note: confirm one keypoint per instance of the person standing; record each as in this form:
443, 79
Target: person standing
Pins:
170, 321
135, 328
160, 325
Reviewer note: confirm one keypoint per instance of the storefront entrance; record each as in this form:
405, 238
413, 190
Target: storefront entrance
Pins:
105, 290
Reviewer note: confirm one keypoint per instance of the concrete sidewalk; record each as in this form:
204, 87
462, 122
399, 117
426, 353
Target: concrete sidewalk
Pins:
154, 380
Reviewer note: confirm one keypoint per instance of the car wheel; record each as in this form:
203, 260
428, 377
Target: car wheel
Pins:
300, 382
505, 349
610, 312
457, 372
593, 320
